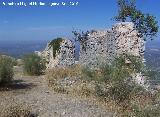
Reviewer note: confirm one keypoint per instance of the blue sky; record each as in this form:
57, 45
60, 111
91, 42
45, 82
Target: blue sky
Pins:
46, 23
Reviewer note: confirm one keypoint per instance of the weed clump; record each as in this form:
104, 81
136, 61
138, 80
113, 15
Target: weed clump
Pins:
55, 44
6, 69
33, 64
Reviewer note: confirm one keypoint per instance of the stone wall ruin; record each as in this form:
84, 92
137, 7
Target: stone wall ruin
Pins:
65, 56
98, 47
104, 46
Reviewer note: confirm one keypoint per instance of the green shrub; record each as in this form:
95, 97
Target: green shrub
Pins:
33, 64
149, 111
55, 44
117, 77
114, 83
110, 83
6, 69
89, 74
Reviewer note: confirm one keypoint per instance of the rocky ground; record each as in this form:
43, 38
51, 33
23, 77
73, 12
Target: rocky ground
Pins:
34, 92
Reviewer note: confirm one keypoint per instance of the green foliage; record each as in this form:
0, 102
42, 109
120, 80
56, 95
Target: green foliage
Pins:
149, 111
121, 68
6, 69
120, 92
146, 24
33, 64
107, 71
132, 63
82, 37
89, 74
55, 44
117, 78
114, 82
153, 74
118, 71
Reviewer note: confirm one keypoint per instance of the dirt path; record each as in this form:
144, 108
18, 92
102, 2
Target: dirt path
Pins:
34, 92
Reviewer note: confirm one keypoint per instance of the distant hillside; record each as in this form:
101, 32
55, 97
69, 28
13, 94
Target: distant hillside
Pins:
152, 57
19, 48
152, 54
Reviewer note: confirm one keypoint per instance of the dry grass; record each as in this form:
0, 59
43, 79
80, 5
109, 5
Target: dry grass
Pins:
61, 73
93, 86
64, 72
58, 74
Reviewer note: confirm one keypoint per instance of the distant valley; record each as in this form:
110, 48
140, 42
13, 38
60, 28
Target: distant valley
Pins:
19, 48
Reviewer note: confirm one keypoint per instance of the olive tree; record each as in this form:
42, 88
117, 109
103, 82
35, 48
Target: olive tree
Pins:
146, 24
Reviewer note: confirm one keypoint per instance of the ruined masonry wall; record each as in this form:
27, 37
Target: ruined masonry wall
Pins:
103, 46
65, 56
99, 47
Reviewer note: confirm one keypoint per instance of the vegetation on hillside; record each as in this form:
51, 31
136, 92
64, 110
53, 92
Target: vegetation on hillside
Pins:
112, 84
6, 69
55, 44
33, 64
146, 24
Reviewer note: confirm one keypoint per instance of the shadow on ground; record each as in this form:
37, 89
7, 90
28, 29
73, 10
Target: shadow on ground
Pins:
16, 85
